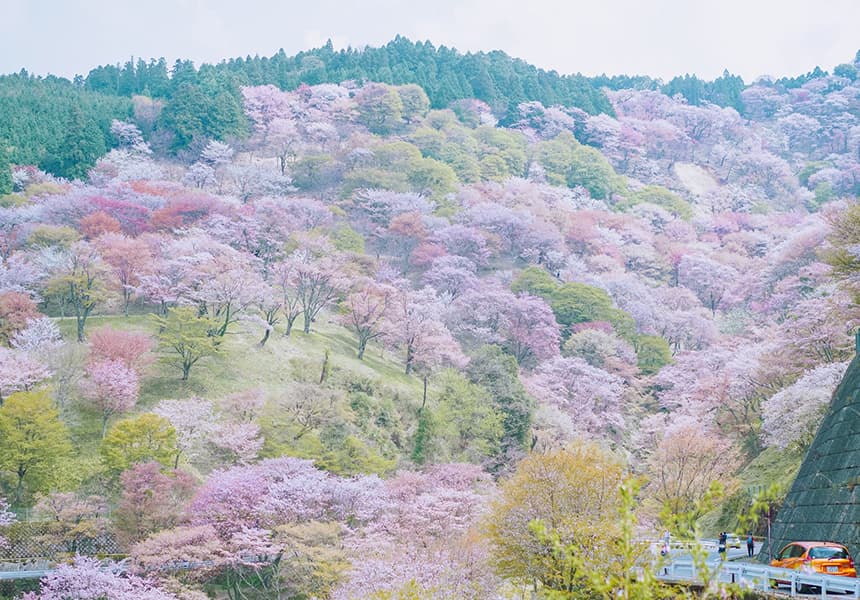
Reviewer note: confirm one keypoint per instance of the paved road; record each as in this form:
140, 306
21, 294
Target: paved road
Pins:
740, 554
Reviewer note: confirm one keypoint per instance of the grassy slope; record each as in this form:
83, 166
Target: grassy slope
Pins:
773, 465
243, 365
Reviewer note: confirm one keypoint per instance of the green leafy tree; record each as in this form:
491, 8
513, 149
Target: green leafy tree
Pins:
574, 493
555, 156
53, 236
508, 145
574, 302
187, 337
139, 439
428, 174
380, 107
459, 424
536, 281
590, 169
497, 372
209, 107
657, 194
424, 436
33, 440
652, 353
622, 570
318, 560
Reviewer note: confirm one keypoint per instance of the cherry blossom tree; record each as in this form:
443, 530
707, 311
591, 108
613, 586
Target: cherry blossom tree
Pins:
246, 560
464, 241
707, 278
285, 280
413, 312
151, 500
451, 275
428, 522
367, 309
40, 336
319, 281
478, 314
602, 350
90, 579
271, 112
131, 348
112, 388
128, 258
531, 329
244, 406
99, 223
791, 417
231, 286
433, 348
19, 371
20, 273
282, 490
687, 460
591, 396
16, 310
511, 226
239, 443
195, 424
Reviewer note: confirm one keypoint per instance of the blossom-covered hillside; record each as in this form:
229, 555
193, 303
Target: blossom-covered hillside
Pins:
351, 347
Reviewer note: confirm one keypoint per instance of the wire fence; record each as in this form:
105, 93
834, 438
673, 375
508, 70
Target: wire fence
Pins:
34, 540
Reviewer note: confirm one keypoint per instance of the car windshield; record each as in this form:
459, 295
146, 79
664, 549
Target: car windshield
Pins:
827, 552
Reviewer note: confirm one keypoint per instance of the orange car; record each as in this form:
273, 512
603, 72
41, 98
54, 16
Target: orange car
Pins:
821, 557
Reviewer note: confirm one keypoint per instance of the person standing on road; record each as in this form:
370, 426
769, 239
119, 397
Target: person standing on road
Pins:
750, 545
721, 545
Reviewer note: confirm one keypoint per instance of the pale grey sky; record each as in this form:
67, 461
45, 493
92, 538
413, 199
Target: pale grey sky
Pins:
661, 38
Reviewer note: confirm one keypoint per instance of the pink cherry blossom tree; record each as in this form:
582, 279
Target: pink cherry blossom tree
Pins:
319, 282
238, 443
367, 308
531, 329
707, 278
131, 348
91, 579
424, 540
112, 388
592, 397
244, 406
128, 259
150, 500
451, 275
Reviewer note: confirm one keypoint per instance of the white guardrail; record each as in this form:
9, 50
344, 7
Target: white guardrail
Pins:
761, 577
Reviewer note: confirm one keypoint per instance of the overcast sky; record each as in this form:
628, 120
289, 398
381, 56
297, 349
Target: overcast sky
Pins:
661, 38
